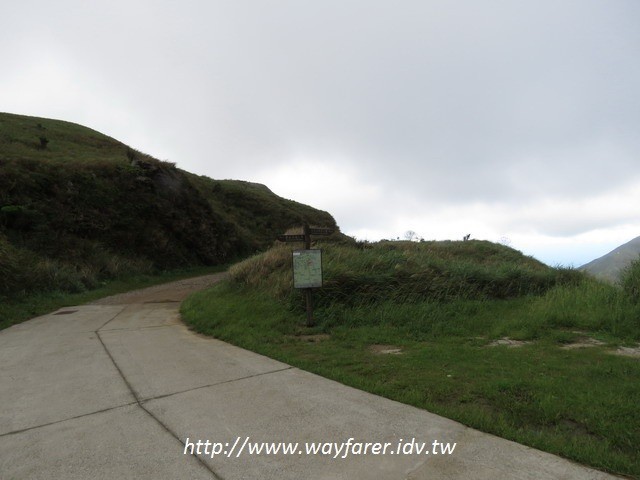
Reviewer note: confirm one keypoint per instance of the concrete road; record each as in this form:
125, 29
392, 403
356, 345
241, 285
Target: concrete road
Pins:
122, 389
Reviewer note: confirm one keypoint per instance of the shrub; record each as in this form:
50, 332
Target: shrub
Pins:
630, 281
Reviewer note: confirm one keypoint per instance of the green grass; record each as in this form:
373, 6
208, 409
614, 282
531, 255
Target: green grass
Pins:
67, 142
19, 308
579, 403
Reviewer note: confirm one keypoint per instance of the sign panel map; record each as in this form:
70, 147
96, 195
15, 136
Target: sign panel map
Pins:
307, 268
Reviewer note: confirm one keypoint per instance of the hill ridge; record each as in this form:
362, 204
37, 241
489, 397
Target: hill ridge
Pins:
77, 206
610, 266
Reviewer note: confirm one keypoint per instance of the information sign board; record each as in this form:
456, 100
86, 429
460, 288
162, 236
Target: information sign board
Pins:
307, 268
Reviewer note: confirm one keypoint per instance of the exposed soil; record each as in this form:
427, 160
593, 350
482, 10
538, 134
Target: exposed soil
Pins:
385, 349
583, 342
165, 293
628, 351
508, 342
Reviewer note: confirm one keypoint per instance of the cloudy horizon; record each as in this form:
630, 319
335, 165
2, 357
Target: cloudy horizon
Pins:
513, 121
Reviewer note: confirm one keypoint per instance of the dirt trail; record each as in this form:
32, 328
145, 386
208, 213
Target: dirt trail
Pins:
166, 293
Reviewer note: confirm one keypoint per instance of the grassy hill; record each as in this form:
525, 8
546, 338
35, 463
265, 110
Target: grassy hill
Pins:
78, 207
474, 331
365, 274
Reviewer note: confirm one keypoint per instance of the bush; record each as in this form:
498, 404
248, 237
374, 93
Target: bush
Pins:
630, 281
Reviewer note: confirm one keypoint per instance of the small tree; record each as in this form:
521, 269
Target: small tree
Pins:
43, 142
410, 235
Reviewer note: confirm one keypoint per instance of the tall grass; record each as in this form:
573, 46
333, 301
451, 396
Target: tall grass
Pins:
408, 272
23, 271
433, 289
630, 281
592, 306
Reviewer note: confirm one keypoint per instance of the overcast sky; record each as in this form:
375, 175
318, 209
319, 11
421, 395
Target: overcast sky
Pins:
514, 121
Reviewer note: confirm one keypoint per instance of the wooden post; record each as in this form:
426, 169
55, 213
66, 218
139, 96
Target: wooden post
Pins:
309, 299
306, 238
308, 292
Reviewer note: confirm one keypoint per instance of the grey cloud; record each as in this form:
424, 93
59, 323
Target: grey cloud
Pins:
451, 102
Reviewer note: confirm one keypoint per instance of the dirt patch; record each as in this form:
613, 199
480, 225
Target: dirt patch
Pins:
508, 342
385, 350
164, 293
628, 351
582, 342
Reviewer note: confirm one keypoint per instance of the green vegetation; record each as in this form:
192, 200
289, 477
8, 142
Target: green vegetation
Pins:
448, 308
630, 281
78, 208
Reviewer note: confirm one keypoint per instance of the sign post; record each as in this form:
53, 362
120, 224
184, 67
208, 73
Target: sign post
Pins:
307, 265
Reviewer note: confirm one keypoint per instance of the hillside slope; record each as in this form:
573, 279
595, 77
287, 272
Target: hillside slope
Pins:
405, 272
77, 206
610, 266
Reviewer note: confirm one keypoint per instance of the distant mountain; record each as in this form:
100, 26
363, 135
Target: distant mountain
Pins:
610, 266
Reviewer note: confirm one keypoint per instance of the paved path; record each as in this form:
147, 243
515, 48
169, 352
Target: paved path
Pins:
112, 390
